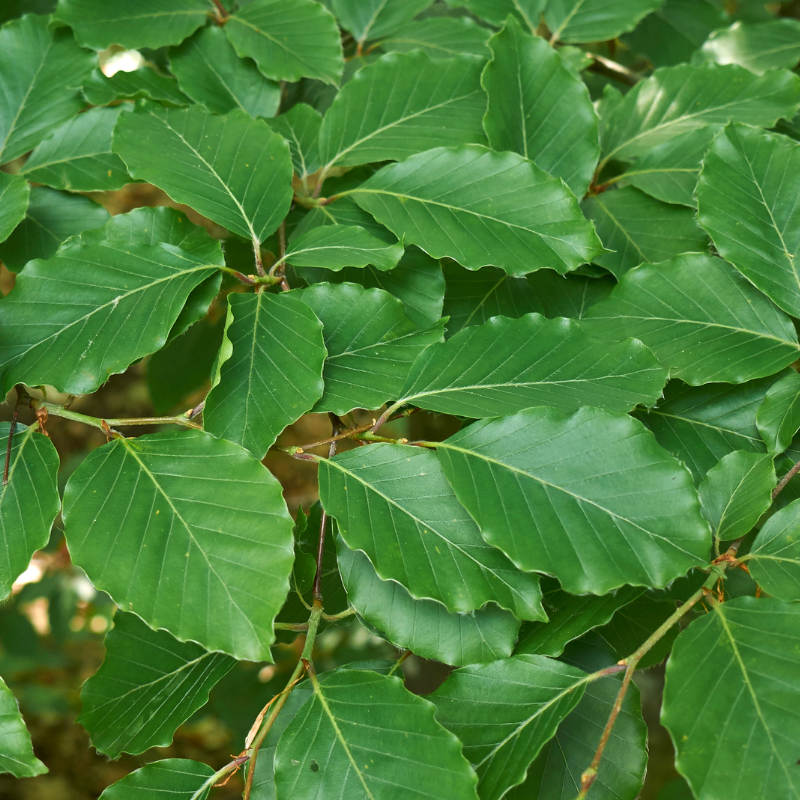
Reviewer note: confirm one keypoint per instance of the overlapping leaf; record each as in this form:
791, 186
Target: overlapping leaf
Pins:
496, 12
394, 503
141, 83
14, 198
440, 37
16, 751
568, 296
170, 779
481, 208
300, 127
174, 524
335, 247
759, 48
148, 684
594, 20
778, 417
373, 19
774, 559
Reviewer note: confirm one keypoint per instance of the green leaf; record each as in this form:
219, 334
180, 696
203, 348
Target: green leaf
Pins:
42, 71
50, 219
172, 524
745, 202
149, 23
425, 627
679, 99
481, 208
300, 127
495, 12
701, 425
440, 37
736, 492
570, 617
401, 105
209, 71
638, 228
505, 365
472, 298
539, 109
232, 169
108, 305
505, 712
77, 155
622, 511
568, 295
778, 417
774, 559
335, 247
748, 650
371, 345
145, 82
363, 735
575, 21
273, 375
29, 502
759, 48
16, 751
148, 684
288, 39
14, 198
170, 779
372, 19
701, 318
393, 502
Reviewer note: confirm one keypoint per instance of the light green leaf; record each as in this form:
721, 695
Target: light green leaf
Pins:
575, 21
393, 502
425, 627
50, 219
778, 417
300, 127
231, 168
170, 779
335, 247
440, 37
209, 71
16, 751
401, 105
363, 736
701, 318
42, 71
568, 295
145, 82
495, 12
774, 559
14, 198
371, 344
638, 229
539, 109
372, 19
759, 48
77, 155
505, 712
172, 524
745, 200
736, 492
517, 217
749, 650
288, 39
679, 99
148, 23
148, 684
273, 375
570, 617
621, 511
29, 502
505, 365
472, 298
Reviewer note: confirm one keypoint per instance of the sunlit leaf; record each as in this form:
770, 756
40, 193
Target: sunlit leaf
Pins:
141, 83
759, 48
170, 779
440, 37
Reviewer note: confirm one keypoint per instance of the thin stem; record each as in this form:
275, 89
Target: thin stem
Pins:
785, 479
291, 626
399, 662
227, 770
257, 254
250, 280
341, 615
384, 418
612, 69
221, 15
10, 442
95, 422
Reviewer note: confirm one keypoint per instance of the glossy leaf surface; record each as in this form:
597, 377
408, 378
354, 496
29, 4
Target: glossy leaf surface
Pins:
778, 417
759, 48
335, 247
170, 779
16, 751
774, 559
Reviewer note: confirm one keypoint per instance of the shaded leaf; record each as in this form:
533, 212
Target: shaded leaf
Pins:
504, 366
481, 208
778, 417
575, 21
372, 19
568, 295
759, 48
144, 82
401, 105
16, 751
148, 684
638, 228
393, 503
335, 247
209, 71
14, 198
273, 375
774, 558
701, 318
288, 39
539, 109
170, 779
172, 524
300, 127
29, 502
496, 12
425, 627
440, 37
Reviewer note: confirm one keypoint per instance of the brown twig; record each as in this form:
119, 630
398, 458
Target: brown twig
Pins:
785, 479
221, 15
298, 449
